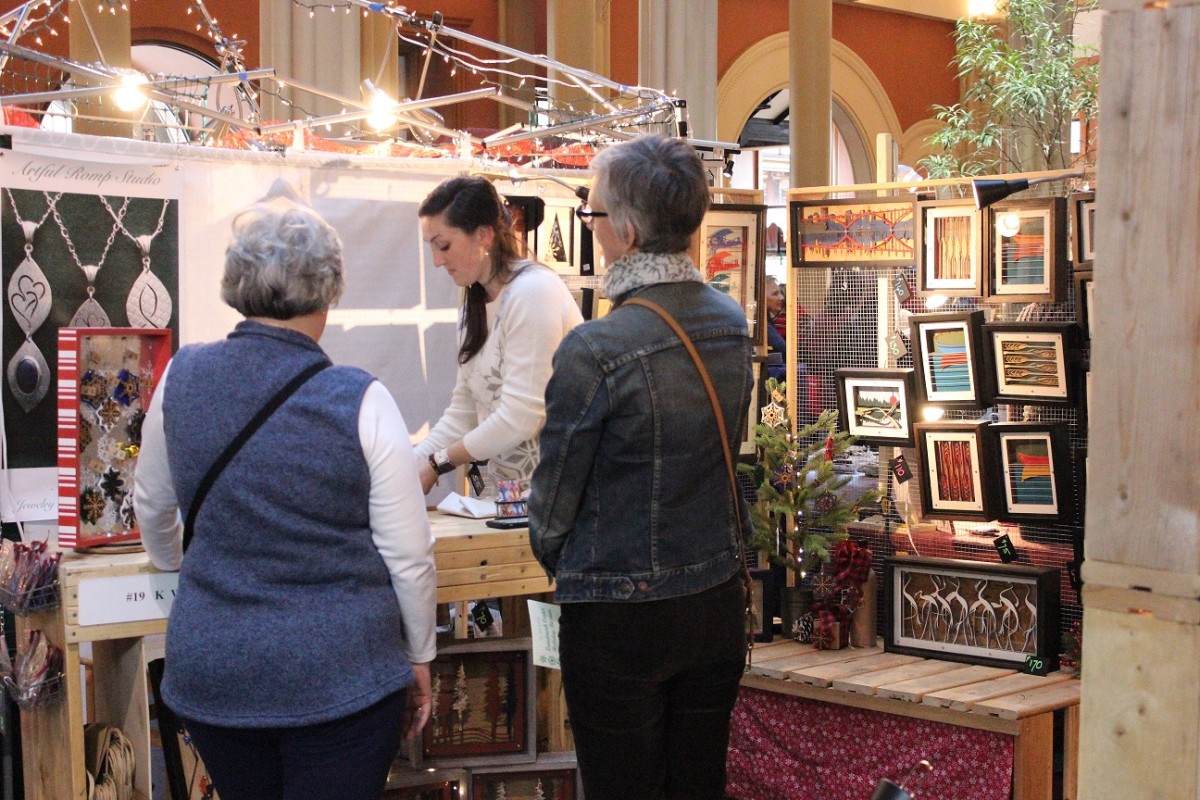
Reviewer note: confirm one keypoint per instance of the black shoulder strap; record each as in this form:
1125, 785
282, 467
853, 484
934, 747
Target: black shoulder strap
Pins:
243, 436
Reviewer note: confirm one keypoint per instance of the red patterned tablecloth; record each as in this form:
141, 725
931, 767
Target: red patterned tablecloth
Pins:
789, 748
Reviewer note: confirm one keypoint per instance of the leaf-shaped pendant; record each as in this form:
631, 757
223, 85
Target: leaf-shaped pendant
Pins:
148, 304
28, 376
90, 315
29, 296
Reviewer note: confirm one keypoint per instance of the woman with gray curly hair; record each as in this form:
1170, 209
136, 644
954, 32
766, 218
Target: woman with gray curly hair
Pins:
299, 642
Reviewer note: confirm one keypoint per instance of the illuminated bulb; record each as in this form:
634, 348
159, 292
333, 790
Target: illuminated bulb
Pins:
311, 13
383, 112
38, 40
933, 413
981, 8
1008, 225
935, 301
130, 96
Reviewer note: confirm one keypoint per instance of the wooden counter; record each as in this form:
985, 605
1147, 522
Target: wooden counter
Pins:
475, 561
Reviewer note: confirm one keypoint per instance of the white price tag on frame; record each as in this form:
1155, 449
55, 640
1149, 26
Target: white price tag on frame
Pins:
543, 619
127, 598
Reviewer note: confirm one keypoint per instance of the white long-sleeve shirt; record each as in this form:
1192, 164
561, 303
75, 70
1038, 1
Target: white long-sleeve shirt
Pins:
399, 523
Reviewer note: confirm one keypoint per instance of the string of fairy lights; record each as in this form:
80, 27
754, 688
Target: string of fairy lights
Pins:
562, 105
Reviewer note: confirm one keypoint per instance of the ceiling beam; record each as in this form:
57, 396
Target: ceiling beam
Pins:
951, 10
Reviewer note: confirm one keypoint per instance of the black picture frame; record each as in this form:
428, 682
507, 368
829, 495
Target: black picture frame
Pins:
1027, 250
1033, 466
1083, 229
878, 406
957, 471
949, 248
1033, 362
869, 232
1084, 301
950, 360
995, 615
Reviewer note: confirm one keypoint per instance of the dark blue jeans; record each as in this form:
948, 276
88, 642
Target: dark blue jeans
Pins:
344, 759
650, 688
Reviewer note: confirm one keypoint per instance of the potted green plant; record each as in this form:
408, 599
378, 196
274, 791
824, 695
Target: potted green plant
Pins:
801, 512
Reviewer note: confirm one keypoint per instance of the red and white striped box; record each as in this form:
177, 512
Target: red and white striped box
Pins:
106, 377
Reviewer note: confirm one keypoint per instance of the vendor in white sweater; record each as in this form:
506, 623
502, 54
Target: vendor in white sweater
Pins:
515, 312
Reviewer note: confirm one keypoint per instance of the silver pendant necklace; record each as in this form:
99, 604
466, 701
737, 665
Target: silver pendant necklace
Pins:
90, 314
148, 304
29, 299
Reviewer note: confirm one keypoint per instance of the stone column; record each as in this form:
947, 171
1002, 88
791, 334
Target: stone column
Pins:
324, 53
97, 36
677, 51
809, 81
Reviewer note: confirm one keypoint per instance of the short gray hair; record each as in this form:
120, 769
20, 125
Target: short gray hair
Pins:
284, 261
658, 186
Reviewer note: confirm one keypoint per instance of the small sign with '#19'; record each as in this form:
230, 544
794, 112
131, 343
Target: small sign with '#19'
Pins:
126, 598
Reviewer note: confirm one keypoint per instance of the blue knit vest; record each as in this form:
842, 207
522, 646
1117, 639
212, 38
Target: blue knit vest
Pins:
285, 614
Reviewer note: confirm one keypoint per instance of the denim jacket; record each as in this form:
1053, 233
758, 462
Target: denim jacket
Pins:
631, 498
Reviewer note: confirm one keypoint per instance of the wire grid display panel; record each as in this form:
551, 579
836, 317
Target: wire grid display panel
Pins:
843, 331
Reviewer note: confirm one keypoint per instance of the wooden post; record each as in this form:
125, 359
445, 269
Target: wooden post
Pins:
1141, 641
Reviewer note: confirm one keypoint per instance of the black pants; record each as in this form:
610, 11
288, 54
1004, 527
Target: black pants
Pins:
344, 759
650, 687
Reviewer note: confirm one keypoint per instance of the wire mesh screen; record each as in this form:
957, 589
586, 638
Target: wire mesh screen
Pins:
844, 314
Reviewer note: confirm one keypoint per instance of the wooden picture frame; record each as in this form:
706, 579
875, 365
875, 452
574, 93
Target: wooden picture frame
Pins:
555, 776
1033, 361
1027, 250
849, 233
949, 252
1033, 463
527, 213
1084, 301
878, 406
949, 357
729, 250
1083, 229
484, 705
995, 615
426, 785
956, 472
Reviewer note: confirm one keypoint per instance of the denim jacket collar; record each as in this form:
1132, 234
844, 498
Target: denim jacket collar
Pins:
638, 269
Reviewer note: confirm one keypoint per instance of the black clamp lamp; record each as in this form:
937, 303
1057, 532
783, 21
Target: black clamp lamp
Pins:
992, 190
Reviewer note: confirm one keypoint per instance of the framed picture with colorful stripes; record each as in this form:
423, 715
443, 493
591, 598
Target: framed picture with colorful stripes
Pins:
949, 358
1034, 469
958, 480
1027, 252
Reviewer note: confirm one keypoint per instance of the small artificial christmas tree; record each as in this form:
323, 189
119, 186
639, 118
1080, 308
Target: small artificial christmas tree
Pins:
796, 483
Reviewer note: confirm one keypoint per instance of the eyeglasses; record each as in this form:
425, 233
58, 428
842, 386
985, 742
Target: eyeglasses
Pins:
586, 214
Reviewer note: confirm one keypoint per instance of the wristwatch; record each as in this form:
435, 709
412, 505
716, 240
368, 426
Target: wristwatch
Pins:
440, 462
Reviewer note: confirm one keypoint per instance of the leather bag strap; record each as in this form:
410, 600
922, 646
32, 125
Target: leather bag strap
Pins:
720, 417
243, 436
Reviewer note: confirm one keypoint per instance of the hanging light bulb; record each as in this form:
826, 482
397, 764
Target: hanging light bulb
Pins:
1008, 225
131, 94
382, 108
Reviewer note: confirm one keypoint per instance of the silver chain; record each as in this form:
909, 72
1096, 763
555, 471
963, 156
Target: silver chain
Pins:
112, 236
50, 203
162, 216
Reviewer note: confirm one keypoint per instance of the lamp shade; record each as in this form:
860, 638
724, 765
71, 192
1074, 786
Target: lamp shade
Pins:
989, 190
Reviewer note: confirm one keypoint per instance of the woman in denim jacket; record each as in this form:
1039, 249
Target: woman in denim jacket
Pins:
631, 511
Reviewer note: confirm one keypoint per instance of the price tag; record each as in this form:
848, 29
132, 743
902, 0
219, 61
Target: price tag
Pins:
476, 479
900, 469
895, 345
482, 615
127, 598
1034, 666
1004, 547
900, 287
1075, 577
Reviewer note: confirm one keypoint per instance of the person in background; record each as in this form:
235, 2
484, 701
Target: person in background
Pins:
632, 512
299, 642
776, 320
515, 312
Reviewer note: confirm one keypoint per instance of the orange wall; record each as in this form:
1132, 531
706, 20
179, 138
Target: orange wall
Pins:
623, 39
909, 55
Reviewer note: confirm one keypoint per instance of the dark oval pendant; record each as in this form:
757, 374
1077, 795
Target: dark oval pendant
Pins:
27, 374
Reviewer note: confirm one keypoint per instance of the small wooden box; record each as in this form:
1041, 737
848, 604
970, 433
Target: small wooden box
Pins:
106, 377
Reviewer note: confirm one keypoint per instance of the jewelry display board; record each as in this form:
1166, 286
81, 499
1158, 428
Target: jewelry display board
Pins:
106, 377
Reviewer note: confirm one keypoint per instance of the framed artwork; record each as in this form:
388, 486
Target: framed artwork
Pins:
556, 240
527, 212
949, 255
957, 483
877, 406
728, 250
426, 785
1027, 250
949, 357
1035, 471
1084, 301
106, 377
869, 232
995, 615
1032, 361
540, 783
484, 705
1083, 229
757, 390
